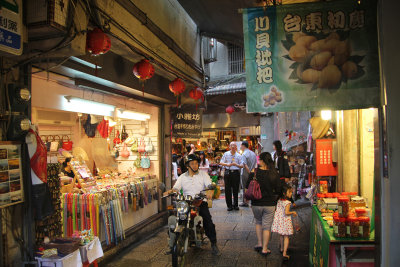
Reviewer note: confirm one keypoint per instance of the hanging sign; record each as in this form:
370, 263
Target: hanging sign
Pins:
312, 56
186, 122
324, 154
11, 26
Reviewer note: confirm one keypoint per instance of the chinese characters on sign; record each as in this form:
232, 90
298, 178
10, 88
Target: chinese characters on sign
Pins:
312, 56
325, 166
263, 52
11, 27
314, 21
186, 123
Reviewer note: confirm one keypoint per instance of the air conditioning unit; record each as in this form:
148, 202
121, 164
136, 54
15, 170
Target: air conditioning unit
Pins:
47, 22
51, 117
209, 49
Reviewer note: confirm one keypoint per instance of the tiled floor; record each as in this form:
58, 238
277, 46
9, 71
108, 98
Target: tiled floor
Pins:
236, 239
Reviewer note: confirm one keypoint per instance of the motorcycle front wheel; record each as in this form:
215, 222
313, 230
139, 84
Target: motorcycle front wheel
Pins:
178, 251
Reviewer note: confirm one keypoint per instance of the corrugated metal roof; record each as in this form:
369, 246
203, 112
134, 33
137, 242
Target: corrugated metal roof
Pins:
227, 89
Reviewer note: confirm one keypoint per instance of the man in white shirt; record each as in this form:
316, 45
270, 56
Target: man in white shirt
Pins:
191, 183
249, 160
232, 161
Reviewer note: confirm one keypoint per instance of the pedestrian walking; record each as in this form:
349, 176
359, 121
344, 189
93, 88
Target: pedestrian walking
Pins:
249, 160
232, 161
283, 220
204, 164
264, 208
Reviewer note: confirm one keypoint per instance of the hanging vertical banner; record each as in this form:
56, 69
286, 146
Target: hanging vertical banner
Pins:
324, 156
312, 56
186, 122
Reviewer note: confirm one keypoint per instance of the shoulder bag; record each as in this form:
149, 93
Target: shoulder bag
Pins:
145, 162
134, 147
149, 145
254, 190
124, 152
137, 162
124, 134
66, 143
141, 146
55, 143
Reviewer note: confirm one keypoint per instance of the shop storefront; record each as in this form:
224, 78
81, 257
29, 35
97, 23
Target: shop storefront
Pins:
114, 145
298, 58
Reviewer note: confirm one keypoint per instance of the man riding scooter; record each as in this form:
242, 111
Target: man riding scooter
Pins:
191, 183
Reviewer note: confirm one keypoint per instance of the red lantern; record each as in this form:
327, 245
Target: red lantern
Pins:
97, 42
143, 70
196, 94
177, 86
230, 110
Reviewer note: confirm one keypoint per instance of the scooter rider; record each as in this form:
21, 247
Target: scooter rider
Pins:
191, 183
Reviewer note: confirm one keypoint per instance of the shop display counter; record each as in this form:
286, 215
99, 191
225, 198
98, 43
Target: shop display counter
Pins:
327, 250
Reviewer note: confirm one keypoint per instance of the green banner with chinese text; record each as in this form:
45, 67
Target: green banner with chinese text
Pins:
312, 56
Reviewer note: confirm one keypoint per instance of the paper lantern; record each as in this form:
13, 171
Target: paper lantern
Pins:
143, 70
196, 93
97, 42
230, 110
177, 86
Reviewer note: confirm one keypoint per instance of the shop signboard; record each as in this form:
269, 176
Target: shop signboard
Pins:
324, 154
312, 56
11, 27
186, 122
11, 189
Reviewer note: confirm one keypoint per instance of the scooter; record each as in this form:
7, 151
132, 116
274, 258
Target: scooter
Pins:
185, 226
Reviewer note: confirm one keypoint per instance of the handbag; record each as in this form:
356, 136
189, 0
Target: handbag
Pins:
55, 143
141, 146
149, 145
145, 162
67, 145
137, 162
47, 142
124, 134
124, 152
254, 191
129, 141
134, 146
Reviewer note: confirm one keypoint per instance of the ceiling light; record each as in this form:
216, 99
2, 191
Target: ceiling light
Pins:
85, 63
126, 114
76, 104
326, 115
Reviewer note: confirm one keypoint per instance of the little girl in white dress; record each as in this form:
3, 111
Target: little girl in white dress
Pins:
282, 223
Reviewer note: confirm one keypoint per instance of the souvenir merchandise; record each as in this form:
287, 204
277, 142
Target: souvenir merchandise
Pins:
51, 227
134, 146
124, 134
145, 162
137, 162
117, 139
141, 146
55, 143
90, 129
102, 127
66, 143
149, 145
124, 152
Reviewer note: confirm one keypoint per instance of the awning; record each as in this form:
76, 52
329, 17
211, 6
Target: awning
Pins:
227, 89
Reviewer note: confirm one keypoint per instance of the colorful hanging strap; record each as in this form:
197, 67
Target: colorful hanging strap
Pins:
97, 215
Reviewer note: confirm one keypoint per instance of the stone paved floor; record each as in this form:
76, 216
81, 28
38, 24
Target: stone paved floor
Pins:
236, 239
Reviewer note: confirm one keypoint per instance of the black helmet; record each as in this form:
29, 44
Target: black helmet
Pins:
190, 158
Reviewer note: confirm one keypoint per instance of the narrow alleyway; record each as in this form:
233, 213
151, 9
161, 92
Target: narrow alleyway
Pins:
236, 239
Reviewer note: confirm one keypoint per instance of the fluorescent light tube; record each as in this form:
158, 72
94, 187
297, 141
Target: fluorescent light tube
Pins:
126, 114
76, 104
84, 62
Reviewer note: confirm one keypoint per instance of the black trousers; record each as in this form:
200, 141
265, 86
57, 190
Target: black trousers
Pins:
209, 226
232, 182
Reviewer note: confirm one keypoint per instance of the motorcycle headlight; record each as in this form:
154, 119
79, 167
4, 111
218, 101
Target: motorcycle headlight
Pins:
182, 207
